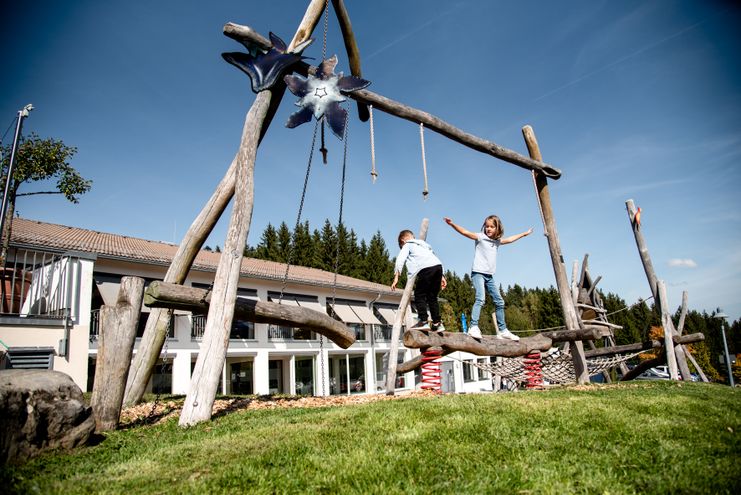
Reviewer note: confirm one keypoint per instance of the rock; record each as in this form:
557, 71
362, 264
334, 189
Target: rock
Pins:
40, 410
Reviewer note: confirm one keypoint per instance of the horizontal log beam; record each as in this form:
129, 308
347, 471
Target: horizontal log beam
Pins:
586, 333
644, 346
163, 295
451, 132
240, 32
487, 346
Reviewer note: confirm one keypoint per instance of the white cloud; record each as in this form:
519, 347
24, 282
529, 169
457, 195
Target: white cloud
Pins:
686, 263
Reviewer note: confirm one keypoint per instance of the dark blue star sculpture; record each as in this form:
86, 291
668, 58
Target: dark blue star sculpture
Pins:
265, 67
320, 95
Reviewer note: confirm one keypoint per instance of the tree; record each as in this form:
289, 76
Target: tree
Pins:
39, 160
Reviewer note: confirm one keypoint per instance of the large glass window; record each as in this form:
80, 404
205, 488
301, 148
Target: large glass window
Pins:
382, 366
304, 375
483, 373
357, 374
275, 376
241, 329
241, 378
143, 317
162, 379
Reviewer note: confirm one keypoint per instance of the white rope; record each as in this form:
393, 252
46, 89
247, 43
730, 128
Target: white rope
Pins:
426, 191
374, 174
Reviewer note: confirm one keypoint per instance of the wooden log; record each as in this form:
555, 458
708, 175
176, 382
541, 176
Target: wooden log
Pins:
438, 125
489, 345
642, 346
571, 318
118, 325
643, 366
158, 322
161, 295
351, 46
406, 296
585, 333
593, 308
602, 323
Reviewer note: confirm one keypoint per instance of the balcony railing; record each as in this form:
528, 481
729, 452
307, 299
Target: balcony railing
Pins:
39, 284
240, 329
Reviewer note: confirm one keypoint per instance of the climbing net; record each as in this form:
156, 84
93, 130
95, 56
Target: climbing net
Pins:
557, 366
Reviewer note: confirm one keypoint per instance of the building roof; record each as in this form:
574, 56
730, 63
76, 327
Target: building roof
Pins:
32, 234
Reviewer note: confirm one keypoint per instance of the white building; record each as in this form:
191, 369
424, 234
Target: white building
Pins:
56, 278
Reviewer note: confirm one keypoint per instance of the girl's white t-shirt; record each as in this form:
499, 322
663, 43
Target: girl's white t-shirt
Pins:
485, 254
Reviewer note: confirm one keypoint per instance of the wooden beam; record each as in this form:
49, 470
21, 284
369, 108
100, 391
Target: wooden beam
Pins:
399, 320
351, 46
642, 346
585, 333
438, 125
489, 345
118, 324
643, 366
163, 295
571, 318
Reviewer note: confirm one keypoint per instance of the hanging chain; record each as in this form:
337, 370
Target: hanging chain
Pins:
291, 247
374, 174
156, 402
425, 192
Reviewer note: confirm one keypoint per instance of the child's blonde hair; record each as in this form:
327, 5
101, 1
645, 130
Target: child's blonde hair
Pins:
498, 227
403, 235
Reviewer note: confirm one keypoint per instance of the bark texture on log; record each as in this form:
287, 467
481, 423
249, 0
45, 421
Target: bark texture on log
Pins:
489, 345
118, 325
184, 298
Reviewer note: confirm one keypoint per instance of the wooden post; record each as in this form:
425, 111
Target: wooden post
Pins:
158, 322
653, 282
351, 46
671, 358
118, 326
567, 305
399, 321
680, 330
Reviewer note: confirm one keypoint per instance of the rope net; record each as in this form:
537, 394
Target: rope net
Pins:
557, 367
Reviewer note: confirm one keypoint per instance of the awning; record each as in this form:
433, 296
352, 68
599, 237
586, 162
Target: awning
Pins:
346, 314
366, 315
388, 314
313, 305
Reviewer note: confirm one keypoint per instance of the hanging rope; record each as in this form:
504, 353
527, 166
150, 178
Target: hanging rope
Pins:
373, 173
425, 192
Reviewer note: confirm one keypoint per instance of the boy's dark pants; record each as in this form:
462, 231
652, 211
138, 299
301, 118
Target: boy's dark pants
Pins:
426, 290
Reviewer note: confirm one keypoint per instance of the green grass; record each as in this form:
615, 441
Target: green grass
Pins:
652, 437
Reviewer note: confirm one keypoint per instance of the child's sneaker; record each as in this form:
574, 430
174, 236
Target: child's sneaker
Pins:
420, 325
438, 327
506, 334
474, 332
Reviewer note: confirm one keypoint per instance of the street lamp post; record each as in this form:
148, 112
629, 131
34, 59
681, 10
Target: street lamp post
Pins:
22, 114
724, 318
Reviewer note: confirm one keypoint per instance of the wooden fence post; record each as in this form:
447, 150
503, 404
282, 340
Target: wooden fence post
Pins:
573, 322
118, 325
399, 321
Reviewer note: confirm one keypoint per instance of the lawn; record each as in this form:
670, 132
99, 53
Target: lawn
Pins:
649, 437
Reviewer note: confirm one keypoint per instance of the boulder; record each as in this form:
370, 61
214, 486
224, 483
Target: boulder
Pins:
40, 410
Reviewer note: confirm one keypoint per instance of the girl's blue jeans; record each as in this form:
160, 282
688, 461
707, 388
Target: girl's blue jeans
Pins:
483, 283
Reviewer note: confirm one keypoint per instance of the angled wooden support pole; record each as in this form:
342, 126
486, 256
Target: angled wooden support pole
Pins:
399, 321
559, 268
678, 354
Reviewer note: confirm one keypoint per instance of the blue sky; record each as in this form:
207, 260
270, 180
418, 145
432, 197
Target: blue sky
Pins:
631, 100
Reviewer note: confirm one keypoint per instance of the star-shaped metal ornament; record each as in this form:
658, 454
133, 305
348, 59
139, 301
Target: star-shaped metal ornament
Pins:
320, 95
265, 66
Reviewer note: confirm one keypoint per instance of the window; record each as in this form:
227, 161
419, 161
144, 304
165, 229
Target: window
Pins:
241, 329
162, 379
275, 376
143, 317
483, 373
241, 378
468, 371
304, 375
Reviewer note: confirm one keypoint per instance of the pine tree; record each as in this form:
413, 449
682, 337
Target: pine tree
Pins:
327, 247
378, 267
303, 246
284, 243
267, 248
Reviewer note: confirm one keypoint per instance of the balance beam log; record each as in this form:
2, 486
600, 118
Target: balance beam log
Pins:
586, 333
163, 295
488, 346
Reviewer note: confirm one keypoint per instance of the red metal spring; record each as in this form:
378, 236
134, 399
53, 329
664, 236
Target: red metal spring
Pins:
533, 371
431, 369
